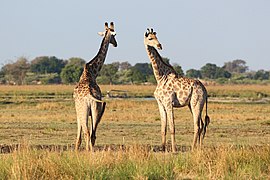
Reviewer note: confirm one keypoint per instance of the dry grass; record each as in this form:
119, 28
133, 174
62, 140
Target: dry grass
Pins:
125, 121
248, 91
240, 91
137, 162
236, 145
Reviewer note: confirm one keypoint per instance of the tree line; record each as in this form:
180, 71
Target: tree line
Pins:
52, 70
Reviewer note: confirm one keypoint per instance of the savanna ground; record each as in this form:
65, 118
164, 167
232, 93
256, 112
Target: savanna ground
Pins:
40, 123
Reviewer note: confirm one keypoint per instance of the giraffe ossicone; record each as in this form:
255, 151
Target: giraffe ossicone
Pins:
175, 91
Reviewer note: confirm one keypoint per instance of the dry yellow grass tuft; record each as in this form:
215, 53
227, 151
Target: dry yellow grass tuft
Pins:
137, 162
52, 106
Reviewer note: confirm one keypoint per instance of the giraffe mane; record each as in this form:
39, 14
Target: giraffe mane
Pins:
161, 59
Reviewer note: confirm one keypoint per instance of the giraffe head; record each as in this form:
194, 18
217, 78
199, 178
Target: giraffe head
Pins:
109, 31
150, 39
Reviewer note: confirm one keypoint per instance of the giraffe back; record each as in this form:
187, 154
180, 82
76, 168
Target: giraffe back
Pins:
87, 85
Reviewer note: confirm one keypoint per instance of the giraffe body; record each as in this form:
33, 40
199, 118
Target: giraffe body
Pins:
174, 91
87, 94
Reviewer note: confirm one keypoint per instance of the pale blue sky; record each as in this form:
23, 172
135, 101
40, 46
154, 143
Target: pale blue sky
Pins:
192, 33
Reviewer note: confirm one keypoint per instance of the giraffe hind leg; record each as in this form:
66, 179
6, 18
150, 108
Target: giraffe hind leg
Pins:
97, 113
86, 136
196, 112
79, 126
79, 137
82, 116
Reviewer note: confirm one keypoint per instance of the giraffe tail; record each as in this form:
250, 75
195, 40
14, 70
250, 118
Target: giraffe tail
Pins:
103, 109
94, 99
206, 119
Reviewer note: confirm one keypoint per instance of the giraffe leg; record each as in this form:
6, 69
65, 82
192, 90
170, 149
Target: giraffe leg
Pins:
97, 112
163, 117
79, 127
172, 127
196, 132
83, 114
79, 136
196, 109
94, 115
86, 134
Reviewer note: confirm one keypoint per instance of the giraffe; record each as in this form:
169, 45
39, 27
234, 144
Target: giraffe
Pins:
175, 91
87, 94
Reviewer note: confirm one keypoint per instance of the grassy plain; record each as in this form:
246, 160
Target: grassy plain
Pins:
237, 144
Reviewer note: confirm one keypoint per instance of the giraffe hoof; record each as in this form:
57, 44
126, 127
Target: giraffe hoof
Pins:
163, 148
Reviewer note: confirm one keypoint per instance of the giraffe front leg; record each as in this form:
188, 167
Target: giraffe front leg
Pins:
172, 127
163, 118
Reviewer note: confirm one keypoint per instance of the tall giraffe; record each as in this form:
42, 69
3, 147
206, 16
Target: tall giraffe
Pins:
87, 94
175, 91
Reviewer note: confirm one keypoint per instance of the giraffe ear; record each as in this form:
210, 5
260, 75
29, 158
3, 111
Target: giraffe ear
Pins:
101, 33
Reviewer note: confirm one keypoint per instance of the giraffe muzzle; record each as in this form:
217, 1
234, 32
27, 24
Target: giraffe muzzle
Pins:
159, 46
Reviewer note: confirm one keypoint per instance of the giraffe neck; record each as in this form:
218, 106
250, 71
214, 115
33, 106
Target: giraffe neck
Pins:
97, 62
160, 68
84, 79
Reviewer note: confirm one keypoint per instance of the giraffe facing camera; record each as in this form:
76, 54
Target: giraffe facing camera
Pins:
175, 91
